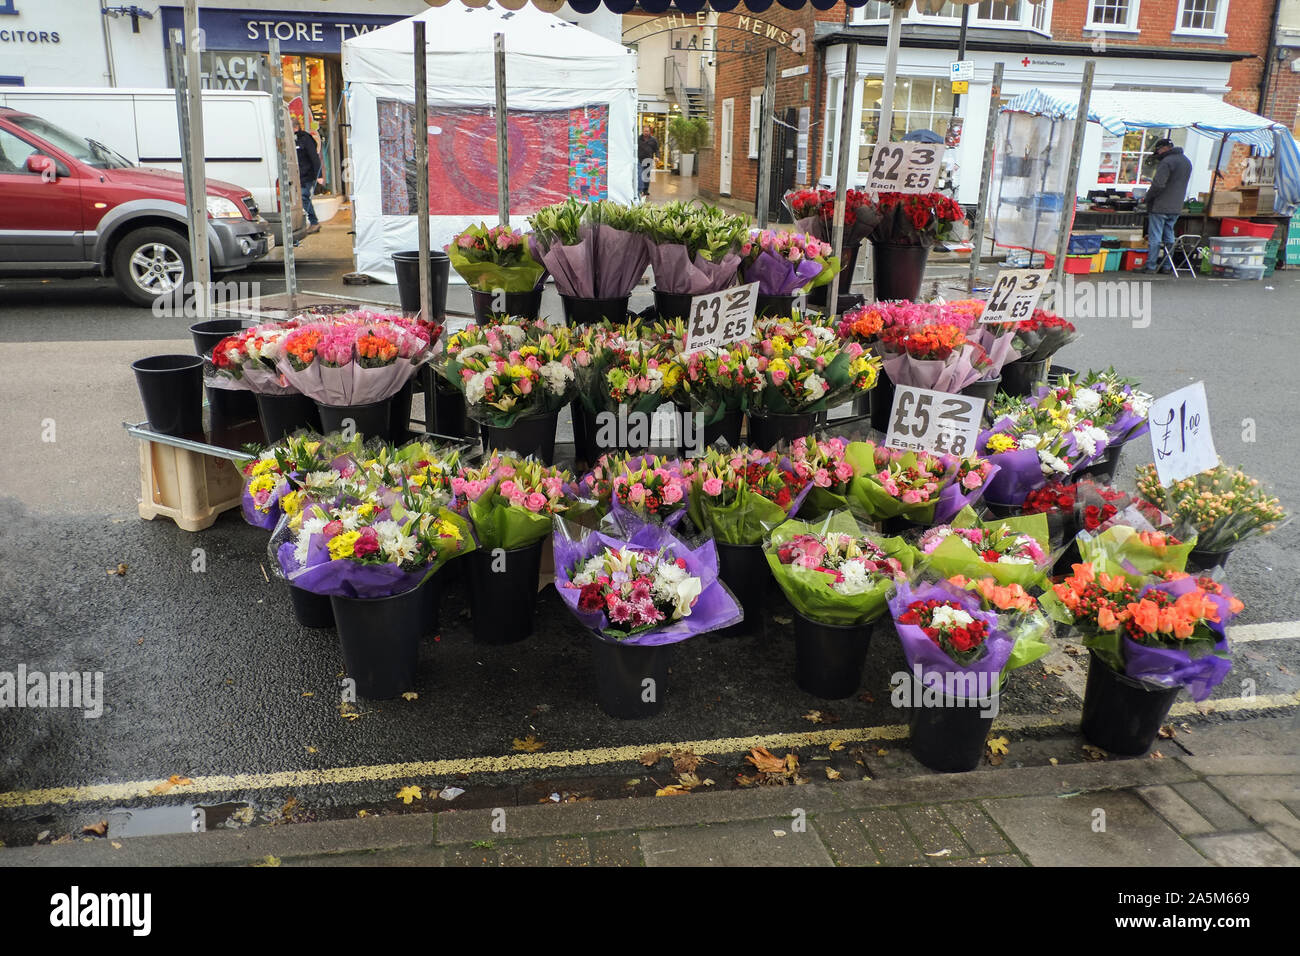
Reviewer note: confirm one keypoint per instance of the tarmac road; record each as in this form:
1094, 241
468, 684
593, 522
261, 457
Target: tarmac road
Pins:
207, 674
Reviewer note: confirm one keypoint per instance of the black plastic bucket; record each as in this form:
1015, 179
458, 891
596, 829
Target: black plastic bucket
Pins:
1122, 715
432, 604
897, 271
743, 569
766, 431
503, 593
899, 524
1056, 372
986, 389
407, 265
285, 414
453, 417
372, 420
631, 680
882, 402
580, 311
1002, 510
846, 300
1201, 560
229, 405
399, 416
1106, 466
527, 436
864, 403
728, 427
774, 306
672, 305
207, 334
829, 657
381, 641
950, 738
519, 304
311, 610
1021, 378
171, 387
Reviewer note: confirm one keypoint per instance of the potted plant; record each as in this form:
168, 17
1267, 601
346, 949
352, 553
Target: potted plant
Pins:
688, 135
838, 578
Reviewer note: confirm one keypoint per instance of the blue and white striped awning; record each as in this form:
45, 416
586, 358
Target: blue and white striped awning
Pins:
1120, 110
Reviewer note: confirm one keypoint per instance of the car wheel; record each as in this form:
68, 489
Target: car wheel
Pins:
152, 263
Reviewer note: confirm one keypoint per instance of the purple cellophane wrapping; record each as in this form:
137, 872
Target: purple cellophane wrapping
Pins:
1171, 667
678, 274
342, 577
922, 652
778, 276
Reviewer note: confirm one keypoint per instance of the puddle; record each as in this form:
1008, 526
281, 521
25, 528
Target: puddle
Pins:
132, 822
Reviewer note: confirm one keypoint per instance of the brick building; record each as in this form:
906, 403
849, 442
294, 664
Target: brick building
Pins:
1215, 47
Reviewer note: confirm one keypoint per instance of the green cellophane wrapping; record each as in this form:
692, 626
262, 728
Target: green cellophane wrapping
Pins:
1030, 631
810, 591
747, 520
1120, 544
953, 557
822, 501
488, 276
867, 497
500, 524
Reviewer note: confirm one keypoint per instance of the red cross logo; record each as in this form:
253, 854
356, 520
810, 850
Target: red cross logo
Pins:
1025, 61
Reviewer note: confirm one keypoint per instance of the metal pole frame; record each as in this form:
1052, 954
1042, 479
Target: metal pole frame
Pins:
503, 143
843, 149
287, 189
1071, 177
196, 194
420, 121
986, 176
763, 194
885, 132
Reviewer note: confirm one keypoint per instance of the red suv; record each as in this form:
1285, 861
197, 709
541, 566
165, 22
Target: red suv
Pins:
71, 206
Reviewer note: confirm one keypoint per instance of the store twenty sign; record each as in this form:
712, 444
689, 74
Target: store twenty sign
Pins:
299, 33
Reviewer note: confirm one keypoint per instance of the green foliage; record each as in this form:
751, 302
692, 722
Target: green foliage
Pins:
687, 134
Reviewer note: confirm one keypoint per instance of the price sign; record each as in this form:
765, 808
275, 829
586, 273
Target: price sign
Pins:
939, 422
905, 167
1180, 434
717, 318
1015, 295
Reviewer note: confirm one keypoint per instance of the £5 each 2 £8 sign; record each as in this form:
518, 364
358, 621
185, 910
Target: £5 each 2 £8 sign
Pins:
905, 167
717, 318
1180, 434
939, 422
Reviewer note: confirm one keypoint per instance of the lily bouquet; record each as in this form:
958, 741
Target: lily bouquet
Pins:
496, 257
593, 249
807, 369
510, 502
1009, 550
822, 465
513, 374
296, 470
714, 382
693, 248
638, 489
915, 485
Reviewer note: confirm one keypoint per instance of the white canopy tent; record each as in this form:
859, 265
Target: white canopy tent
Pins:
571, 112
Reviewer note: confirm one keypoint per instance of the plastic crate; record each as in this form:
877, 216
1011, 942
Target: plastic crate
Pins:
1270, 256
1024, 259
1078, 265
1082, 245
1244, 227
1113, 259
1098, 262
1134, 260
1237, 272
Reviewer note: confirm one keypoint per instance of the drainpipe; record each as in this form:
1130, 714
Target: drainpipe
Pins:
1269, 60
108, 47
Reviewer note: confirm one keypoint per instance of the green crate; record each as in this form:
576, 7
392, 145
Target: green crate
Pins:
1270, 256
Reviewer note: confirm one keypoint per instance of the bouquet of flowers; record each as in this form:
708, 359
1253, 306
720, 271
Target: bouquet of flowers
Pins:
822, 465
944, 631
377, 547
1036, 443
1169, 632
785, 263
509, 502
354, 360
1009, 550
297, 468
1042, 335
593, 249
420, 467
1107, 401
937, 356
1222, 506
915, 219
1019, 617
863, 324
915, 485
833, 572
1135, 550
638, 489
249, 359
717, 381
693, 248
810, 370
649, 589
740, 496
513, 374
496, 257
814, 213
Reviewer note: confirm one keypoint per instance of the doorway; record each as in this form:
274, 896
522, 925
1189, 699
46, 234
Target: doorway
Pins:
728, 124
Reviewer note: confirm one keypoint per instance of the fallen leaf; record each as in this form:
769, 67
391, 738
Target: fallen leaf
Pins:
781, 619
835, 745
998, 745
1053, 669
867, 698
310, 749
363, 813
243, 815
120, 570
943, 852
175, 780
882, 752
42, 835
98, 829
1074, 650
1167, 732
763, 759
1053, 761
269, 860
1093, 753
778, 833
289, 808
672, 790
309, 693
650, 757
114, 844
684, 761
66, 838
689, 781
529, 744
815, 716
833, 774
410, 695
745, 781
407, 794
1157, 755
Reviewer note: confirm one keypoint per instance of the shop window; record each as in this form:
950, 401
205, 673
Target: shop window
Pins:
1117, 15
919, 103
830, 135
1126, 159
755, 113
1201, 16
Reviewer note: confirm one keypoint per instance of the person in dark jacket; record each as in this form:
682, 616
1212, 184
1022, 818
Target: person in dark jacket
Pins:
647, 148
1165, 199
309, 169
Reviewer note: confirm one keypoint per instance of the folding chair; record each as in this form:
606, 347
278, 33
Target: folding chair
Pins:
1184, 247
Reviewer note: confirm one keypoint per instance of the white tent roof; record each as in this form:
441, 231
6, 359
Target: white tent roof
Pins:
541, 50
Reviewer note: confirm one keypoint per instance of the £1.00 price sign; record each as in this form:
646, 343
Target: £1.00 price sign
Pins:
1180, 434
939, 422
717, 318
905, 167
1015, 295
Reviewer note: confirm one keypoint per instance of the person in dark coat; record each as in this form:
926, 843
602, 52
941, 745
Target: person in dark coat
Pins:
647, 148
1165, 199
309, 169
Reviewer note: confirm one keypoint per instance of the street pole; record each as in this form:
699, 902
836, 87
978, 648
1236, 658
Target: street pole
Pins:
766, 110
842, 174
196, 193
885, 131
503, 145
961, 49
986, 177
1071, 189
421, 138
283, 133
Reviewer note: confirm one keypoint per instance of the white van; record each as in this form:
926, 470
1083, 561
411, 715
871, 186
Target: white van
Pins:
141, 124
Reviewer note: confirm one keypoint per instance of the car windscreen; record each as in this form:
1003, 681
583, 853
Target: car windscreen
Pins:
88, 151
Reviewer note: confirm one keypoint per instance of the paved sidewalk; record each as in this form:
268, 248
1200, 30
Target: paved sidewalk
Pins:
1188, 811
